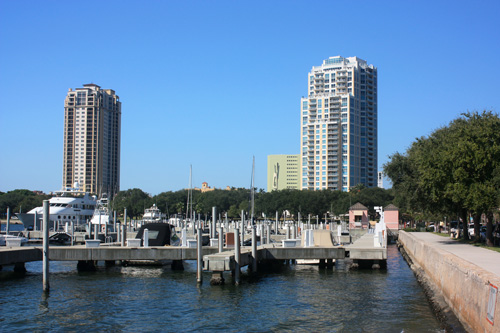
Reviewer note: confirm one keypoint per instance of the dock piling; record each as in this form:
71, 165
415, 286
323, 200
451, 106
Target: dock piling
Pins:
254, 248
7, 227
221, 238
124, 234
199, 259
268, 234
146, 237
214, 221
237, 257
45, 267
276, 224
118, 233
242, 225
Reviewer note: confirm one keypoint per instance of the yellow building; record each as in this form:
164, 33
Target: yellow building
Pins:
282, 172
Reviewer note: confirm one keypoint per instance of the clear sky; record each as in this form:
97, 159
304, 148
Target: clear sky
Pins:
213, 83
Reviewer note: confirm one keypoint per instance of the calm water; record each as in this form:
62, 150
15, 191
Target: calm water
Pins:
301, 298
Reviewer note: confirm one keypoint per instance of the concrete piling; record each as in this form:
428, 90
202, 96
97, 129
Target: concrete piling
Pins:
214, 221
217, 279
7, 227
19, 267
199, 259
221, 238
276, 224
45, 255
146, 238
118, 233
72, 233
237, 257
124, 234
254, 248
125, 218
242, 226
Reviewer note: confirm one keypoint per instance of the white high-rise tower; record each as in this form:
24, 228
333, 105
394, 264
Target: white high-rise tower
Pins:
339, 125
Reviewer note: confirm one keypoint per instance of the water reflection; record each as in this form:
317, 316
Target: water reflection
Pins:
297, 298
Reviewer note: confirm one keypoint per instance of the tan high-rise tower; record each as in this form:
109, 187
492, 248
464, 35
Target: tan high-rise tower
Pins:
92, 127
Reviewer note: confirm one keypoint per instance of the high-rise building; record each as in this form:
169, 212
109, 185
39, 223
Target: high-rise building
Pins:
339, 125
92, 126
380, 181
283, 172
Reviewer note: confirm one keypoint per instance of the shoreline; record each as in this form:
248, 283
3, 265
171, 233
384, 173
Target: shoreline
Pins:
442, 311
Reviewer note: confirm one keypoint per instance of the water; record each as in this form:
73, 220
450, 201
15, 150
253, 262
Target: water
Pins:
300, 298
12, 227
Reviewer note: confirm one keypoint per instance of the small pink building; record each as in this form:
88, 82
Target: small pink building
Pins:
358, 217
391, 217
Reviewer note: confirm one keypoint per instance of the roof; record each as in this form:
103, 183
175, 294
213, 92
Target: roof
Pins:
358, 206
391, 207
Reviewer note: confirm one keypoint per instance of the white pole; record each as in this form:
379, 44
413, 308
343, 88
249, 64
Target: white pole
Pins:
254, 248
146, 237
237, 257
221, 238
45, 268
199, 258
7, 227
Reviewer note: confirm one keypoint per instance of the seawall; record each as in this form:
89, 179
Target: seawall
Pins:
464, 286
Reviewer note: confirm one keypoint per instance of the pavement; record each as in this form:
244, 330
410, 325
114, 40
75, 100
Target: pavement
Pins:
483, 258
364, 242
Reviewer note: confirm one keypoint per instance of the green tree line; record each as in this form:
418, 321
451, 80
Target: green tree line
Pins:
455, 171
235, 200
20, 201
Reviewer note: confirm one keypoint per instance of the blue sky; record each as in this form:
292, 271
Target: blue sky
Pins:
213, 83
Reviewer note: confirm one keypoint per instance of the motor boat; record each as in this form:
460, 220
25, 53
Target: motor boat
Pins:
66, 206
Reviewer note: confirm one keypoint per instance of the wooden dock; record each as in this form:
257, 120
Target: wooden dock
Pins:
363, 251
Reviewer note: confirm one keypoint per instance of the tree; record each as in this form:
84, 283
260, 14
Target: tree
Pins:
456, 169
21, 200
135, 200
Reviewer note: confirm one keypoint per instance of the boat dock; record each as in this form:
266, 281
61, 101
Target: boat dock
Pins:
214, 260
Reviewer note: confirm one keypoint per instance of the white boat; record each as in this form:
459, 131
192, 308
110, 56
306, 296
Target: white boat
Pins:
12, 240
68, 205
152, 215
101, 214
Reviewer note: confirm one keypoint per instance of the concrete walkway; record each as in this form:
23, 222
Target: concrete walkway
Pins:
486, 259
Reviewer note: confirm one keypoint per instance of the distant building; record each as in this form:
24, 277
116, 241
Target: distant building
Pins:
92, 131
391, 217
358, 216
339, 125
380, 179
283, 172
205, 188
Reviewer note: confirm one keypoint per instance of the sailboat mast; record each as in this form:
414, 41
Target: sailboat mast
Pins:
191, 192
252, 190
189, 210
